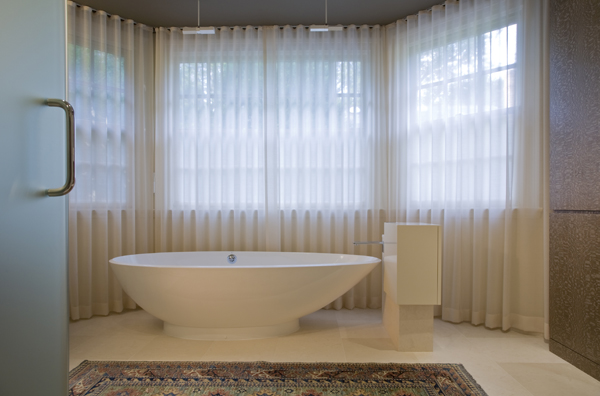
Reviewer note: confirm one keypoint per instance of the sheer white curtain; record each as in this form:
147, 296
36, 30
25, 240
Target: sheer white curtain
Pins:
210, 162
280, 139
270, 139
326, 117
467, 150
110, 66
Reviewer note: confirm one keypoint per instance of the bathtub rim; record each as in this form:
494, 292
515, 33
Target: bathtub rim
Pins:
359, 259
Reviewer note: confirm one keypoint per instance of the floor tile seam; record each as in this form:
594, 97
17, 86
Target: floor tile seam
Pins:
281, 347
341, 329
516, 342
522, 356
200, 356
209, 350
515, 379
346, 360
91, 344
140, 347
494, 333
585, 378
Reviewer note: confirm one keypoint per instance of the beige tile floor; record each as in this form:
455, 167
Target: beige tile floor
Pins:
509, 363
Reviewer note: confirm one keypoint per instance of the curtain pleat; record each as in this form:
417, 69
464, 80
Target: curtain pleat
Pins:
110, 209
465, 154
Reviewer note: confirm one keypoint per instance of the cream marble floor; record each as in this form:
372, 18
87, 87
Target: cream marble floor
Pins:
510, 363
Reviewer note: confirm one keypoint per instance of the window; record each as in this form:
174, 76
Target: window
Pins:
97, 91
222, 126
463, 119
324, 145
319, 133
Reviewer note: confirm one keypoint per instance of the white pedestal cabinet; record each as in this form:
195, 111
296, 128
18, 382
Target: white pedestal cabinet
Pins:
412, 284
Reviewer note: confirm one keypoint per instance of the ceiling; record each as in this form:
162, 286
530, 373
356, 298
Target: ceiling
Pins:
181, 13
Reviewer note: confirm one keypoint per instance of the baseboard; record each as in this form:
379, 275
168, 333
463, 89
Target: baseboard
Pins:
581, 362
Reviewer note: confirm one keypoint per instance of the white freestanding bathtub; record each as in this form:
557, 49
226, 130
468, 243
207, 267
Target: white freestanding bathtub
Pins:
239, 295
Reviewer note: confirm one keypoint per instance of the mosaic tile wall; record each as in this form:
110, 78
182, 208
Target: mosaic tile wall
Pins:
575, 182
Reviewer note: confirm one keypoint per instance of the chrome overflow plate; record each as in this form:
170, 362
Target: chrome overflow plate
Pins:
232, 258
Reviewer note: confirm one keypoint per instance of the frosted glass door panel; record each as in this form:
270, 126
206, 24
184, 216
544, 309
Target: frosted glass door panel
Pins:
33, 227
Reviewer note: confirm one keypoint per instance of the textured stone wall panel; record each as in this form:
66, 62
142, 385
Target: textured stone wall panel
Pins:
575, 104
575, 282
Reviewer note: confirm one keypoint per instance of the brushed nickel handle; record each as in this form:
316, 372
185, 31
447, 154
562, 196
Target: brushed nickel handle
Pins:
70, 118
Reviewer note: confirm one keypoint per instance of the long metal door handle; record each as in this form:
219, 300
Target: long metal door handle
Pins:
70, 118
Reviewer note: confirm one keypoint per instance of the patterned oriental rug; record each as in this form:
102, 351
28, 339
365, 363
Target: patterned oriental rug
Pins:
269, 379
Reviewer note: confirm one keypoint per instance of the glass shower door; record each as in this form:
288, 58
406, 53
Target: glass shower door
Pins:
33, 225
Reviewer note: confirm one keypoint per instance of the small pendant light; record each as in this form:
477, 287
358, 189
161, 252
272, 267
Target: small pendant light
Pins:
326, 27
198, 29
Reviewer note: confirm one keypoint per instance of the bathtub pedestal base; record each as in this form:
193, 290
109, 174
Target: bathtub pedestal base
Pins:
231, 333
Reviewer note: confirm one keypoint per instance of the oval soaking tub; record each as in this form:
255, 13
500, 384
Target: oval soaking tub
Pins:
213, 295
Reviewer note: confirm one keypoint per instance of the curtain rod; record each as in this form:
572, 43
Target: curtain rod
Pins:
256, 27
110, 15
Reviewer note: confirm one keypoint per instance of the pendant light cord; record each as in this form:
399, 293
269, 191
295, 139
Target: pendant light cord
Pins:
199, 13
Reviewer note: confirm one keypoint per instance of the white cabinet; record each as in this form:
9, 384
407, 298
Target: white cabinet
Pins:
413, 266
412, 284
